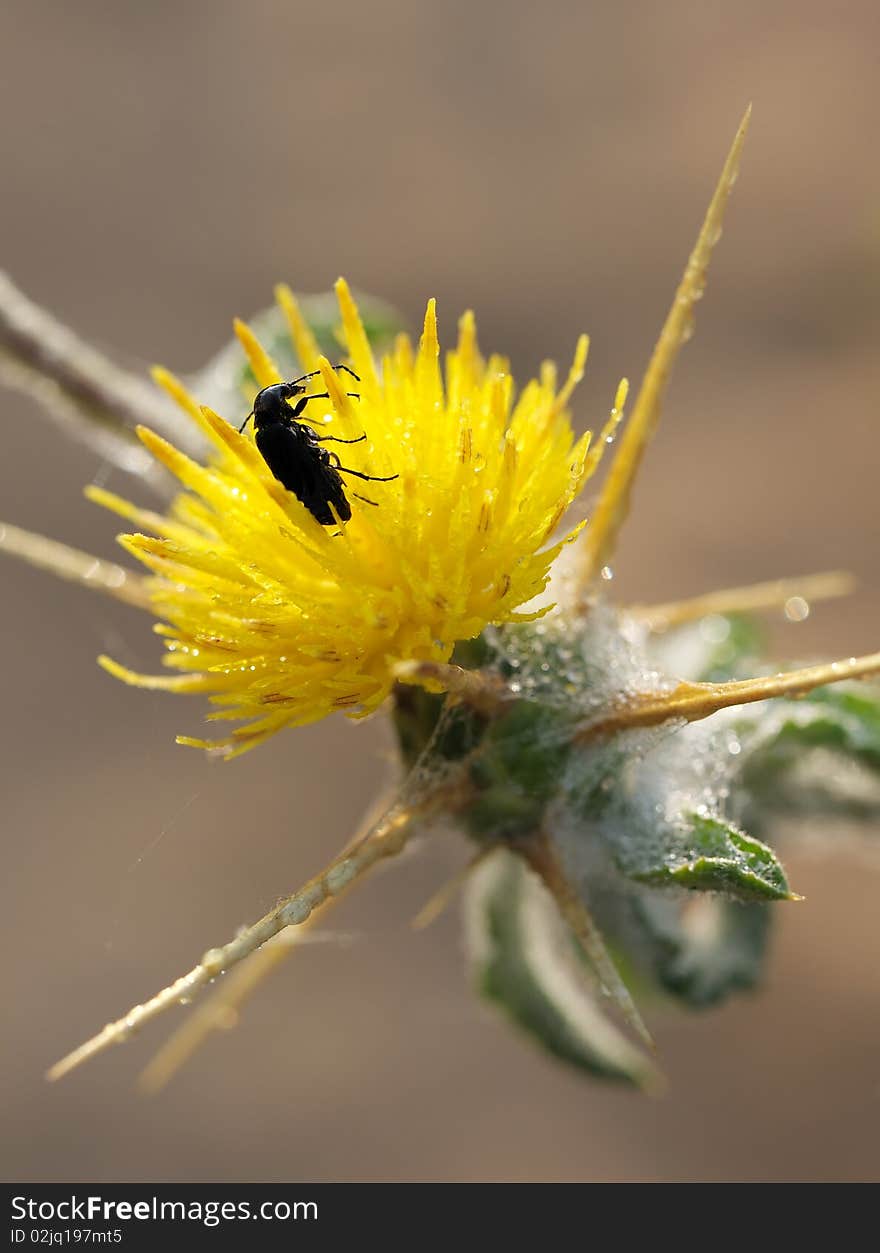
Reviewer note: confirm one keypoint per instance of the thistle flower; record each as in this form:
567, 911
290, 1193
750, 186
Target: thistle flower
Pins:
613, 768
282, 620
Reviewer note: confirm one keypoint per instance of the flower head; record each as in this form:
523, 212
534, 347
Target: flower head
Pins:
281, 619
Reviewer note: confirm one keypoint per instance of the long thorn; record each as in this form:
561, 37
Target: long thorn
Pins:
542, 857
220, 1010
599, 539
386, 839
75, 565
439, 901
693, 701
103, 402
745, 599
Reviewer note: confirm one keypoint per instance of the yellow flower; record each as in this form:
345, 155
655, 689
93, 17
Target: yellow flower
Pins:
282, 620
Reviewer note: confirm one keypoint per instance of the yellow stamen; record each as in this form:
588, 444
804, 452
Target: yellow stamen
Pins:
575, 374
265, 370
157, 682
361, 353
304, 343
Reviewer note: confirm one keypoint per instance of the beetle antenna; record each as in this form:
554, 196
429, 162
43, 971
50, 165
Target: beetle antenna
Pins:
247, 419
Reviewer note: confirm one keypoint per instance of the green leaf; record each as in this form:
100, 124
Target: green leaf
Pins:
525, 960
711, 855
704, 948
836, 718
819, 756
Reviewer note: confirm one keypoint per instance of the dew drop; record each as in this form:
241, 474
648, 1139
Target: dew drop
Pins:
607, 573
714, 628
796, 609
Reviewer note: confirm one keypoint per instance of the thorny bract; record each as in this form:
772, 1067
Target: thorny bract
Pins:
616, 770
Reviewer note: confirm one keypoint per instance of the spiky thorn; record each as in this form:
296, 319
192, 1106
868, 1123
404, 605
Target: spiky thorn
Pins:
92, 399
600, 537
76, 566
757, 596
220, 1010
486, 693
386, 838
693, 701
540, 854
439, 901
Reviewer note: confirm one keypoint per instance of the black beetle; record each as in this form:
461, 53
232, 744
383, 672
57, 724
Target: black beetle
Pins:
292, 451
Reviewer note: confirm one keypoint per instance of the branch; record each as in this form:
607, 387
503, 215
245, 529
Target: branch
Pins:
93, 400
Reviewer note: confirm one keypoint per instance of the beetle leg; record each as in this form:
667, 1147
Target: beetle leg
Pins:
304, 400
369, 478
297, 409
322, 439
314, 373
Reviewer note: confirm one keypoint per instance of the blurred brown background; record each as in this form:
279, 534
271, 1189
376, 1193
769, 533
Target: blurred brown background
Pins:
163, 165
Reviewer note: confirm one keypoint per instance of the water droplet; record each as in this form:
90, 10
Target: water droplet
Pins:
796, 609
607, 573
714, 629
